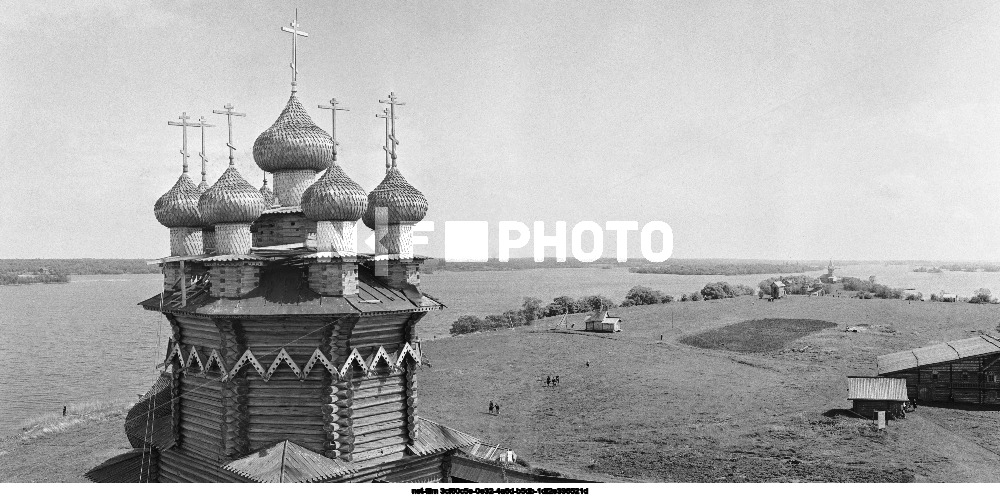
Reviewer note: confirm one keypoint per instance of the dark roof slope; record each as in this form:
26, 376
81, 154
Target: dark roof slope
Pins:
283, 290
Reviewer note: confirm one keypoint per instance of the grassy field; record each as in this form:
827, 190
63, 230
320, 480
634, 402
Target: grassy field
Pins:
647, 409
659, 410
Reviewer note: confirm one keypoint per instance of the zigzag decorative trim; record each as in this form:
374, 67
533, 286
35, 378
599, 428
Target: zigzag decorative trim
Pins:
283, 356
319, 357
174, 351
216, 359
368, 366
403, 352
373, 361
192, 358
354, 357
247, 357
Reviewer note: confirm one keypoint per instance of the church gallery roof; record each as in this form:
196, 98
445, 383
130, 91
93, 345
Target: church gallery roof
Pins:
178, 208
231, 200
293, 142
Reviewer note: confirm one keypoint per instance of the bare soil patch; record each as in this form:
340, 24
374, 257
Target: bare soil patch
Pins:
757, 335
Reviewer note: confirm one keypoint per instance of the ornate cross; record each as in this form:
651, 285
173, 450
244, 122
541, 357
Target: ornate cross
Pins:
333, 110
293, 28
204, 160
392, 119
385, 115
184, 126
229, 119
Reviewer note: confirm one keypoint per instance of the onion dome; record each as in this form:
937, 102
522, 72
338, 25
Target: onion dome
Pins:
269, 198
334, 197
231, 200
293, 142
405, 204
178, 208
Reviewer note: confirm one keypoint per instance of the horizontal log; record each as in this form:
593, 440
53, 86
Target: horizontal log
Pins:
205, 448
204, 386
212, 430
293, 411
362, 431
361, 416
367, 394
204, 414
258, 430
288, 402
376, 401
386, 434
379, 418
378, 451
304, 422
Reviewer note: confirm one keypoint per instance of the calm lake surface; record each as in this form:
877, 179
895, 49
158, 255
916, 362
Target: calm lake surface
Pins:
87, 340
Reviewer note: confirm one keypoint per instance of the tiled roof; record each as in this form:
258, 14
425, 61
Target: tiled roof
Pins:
937, 353
286, 462
865, 388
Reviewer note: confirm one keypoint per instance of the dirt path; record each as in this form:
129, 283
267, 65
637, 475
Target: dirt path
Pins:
970, 460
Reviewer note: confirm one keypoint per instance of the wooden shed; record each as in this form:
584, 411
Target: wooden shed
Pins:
871, 394
602, 321
963, 371
777, 289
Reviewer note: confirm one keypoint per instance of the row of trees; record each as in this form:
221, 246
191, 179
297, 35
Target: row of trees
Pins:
798, 284
870, 289
19, 279
728, 269
533, 308
77, 266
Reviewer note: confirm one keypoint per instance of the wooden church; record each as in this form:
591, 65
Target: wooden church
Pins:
293, 358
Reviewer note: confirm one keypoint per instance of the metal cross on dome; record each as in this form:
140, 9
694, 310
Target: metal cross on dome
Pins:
184, 126
392, 119
386, 115
229, 119
333, 108
204, 160
293, 28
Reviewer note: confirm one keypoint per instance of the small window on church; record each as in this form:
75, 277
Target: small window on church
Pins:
991, 377
965, 375
934, 375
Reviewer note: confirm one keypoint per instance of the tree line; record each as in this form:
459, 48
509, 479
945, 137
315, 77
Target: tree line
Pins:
534, 308
77, 266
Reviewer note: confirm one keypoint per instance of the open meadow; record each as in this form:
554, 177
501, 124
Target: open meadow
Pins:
647, 409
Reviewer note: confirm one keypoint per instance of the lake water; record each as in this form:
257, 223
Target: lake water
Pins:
87, 340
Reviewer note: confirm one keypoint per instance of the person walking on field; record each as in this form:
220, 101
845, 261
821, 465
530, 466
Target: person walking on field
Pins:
557, 380
497, 408
491, 407
548, 381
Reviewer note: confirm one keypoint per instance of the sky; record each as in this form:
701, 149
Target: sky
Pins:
769, 130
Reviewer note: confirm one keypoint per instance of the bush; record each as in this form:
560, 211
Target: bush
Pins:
799, 284
696, 297
466, 324
723, 290
915, 296
531, 309
641, 295
982, 296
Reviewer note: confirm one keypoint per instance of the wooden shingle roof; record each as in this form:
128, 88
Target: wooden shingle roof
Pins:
868, 388
286, 462
937, 353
